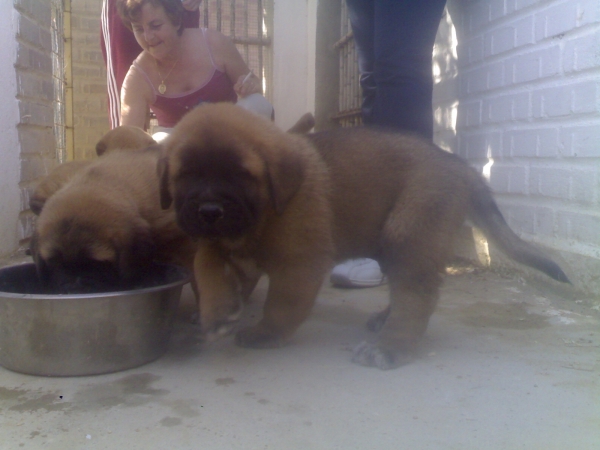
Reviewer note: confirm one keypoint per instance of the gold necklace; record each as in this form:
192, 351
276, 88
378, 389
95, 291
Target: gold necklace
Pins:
162, 88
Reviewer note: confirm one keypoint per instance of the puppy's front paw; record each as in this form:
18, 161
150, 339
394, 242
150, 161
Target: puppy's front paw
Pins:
258, 337
220, 330
217, 329
372, 355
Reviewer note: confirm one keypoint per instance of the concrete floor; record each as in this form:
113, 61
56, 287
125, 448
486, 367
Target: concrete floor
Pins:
505, 365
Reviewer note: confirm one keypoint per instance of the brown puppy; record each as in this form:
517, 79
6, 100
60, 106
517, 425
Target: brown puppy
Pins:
106, 225
294, 204
123, 138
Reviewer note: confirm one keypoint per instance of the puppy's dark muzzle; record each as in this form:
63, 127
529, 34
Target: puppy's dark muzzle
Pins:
211, 213
213, 216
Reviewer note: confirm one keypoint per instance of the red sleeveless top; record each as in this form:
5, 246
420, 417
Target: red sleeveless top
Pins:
169, 109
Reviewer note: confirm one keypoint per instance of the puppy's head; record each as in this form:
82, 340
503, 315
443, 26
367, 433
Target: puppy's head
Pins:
90, 243
224, 167
124, 137
120, 138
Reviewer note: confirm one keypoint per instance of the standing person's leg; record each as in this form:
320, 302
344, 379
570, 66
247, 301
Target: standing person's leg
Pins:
394, 40
405, 32
362, 272
362, 18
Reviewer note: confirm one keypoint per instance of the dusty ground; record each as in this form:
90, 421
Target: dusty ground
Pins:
505, 365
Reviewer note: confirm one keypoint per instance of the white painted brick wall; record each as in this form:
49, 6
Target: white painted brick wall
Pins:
528, 96
10, 147
34, 96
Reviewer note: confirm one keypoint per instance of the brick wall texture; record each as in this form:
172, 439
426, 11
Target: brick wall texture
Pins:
90, 118
521, 97
35, 93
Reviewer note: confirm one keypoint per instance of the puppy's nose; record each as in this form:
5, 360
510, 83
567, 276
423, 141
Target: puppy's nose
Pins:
211, 212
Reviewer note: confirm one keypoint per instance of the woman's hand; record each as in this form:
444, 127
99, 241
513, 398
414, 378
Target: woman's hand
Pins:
247, 84
228, 58
191, 5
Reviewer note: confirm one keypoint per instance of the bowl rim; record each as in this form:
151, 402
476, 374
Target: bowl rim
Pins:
98, 295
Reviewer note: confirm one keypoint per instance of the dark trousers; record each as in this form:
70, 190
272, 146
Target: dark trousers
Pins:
394, 39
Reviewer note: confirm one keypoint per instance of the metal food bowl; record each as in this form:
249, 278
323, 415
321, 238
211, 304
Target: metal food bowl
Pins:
85, 334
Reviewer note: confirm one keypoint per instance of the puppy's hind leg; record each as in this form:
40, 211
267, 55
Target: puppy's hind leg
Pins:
413, 297
413, 253
416, 242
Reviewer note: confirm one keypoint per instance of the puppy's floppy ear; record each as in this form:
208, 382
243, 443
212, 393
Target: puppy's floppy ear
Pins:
139, 251
36, 204
41, 267
101, 147
285, 174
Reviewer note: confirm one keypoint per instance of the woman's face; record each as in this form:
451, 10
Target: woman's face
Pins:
155, 32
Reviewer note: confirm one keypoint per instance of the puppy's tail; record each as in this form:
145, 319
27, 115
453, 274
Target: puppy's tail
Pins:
486, 216
303, 125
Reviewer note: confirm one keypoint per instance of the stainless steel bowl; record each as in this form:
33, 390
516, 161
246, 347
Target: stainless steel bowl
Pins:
83, 334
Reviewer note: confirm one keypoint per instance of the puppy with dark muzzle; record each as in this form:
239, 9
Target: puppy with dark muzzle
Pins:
261, 200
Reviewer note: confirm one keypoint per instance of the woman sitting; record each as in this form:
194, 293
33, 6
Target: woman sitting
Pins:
179, 68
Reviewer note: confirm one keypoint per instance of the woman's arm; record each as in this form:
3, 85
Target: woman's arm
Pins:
227, 56
136, 96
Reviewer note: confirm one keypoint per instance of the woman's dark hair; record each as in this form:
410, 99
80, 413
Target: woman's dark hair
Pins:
130, 11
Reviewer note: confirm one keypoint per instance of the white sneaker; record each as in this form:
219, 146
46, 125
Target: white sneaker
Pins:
357, 273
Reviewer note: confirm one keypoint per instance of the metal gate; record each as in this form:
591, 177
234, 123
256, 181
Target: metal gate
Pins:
58, 77
350, 94
249, 24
